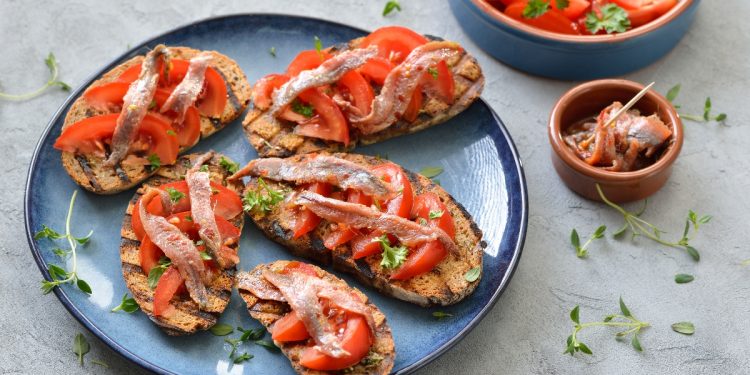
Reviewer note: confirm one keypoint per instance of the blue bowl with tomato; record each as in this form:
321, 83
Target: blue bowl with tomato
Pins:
585, 40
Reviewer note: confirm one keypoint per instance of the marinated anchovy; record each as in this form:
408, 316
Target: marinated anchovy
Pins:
186, 93
256, 284
319, 168
360, 216
177, 247
400, 84
135, 104
328, 72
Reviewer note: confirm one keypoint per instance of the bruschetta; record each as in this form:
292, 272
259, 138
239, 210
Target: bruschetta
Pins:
391, 82
180, 240
321, 324
141, 114
393, 229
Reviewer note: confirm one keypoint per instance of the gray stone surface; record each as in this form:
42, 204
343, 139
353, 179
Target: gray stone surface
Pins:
526, 331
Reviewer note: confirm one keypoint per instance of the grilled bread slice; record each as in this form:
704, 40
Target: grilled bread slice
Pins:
382, 353
277, 138
90, 172
188, 318
444, 285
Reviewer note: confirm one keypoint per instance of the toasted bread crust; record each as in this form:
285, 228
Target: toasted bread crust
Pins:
188, 317
90, 172
445, 285
277, 138
267, 312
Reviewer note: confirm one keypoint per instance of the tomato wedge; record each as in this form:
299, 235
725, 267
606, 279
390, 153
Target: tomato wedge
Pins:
553, 20
344, 234
104, 95
415, 104
168, 284
307, 60
149, 254
330, 124
427, 255
359, 89
189, 131
88, 135
263, 89
574, 10
356, 340
377, 69
393, 174
442, 83
306, 220
289, 328
394, 42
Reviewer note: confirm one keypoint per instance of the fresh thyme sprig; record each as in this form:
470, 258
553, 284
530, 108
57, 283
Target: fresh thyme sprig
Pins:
52, 81
258, 202
128, 305
581, 251
706, 117
625, 320
58, 274
640, 227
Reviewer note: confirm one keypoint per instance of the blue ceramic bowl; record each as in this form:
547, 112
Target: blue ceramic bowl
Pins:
571, 57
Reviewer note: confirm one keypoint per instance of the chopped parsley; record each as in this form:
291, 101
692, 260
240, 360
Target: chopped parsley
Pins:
613, 19
175, 195
154, 162
303, 109
258, 202
535, 8
433, 72
436, 214
229, 165
393, 257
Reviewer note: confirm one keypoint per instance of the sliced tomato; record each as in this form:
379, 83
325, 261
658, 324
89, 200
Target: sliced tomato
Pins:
641, 16
307, 60
647, 11
263, 89
394, 42
574, 10
429, 203
289, 328
306, 220
423, 259
344, 234
442, 84
227, 203
166, 288
330, 124
356, 340
415, 104
630, 4
359, 89
106, 94
377, 69
88, 135
553, 20
189, 131
393, 174
149, 254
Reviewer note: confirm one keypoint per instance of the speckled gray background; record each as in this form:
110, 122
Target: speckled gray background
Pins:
526, 331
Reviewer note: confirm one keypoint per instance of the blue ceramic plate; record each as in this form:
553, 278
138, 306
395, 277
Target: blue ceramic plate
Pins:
482, 171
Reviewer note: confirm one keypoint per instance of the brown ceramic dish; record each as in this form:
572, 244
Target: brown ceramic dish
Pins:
590, 98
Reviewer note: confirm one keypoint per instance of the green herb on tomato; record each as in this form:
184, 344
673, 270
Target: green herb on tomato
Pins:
610, 18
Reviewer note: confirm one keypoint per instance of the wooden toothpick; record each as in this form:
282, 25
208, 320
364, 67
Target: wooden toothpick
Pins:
629, 104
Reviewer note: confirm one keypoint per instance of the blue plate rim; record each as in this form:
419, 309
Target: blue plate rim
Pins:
145, 364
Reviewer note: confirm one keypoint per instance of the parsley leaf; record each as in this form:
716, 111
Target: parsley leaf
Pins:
433, 72
128, 305
393, 257
390, 7
154, 162
51, 63
436, 214
535, 8
303, 109
613, 19
230, 166
175, 195
318, 46
256, 201
431, 172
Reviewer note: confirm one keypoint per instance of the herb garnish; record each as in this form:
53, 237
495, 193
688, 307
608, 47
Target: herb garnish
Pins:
581, 251
80, 347
303, 109
154, 162
433, 72
128, 305
204, 255
318, 46
203, 168
440, 315
640, 227
272, 51
686, 328
613, 19
473, 274
562, 4
254, 335
706, 117
221, 329
393, 257
626, 319
155, 274
436, 214
228, 165
390, 7
683, 278
175, 195
58, 274
431, 172
256, 201
51, 63
535, 8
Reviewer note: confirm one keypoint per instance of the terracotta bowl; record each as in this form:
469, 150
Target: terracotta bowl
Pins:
590, 98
